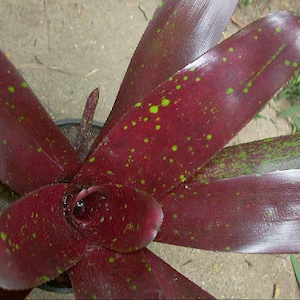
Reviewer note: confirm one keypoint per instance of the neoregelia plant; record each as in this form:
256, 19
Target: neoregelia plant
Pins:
157, 170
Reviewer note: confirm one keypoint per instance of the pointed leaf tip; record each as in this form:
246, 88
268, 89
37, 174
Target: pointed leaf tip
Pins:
83, 134
169, 43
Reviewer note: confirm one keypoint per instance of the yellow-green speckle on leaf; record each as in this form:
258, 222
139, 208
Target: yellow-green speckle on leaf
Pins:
3, 236
92, 159
229, 91
111, 260
182, 178
209, 137
153, 109
174, 148
45, 278
165, 102
11, 89
134, 287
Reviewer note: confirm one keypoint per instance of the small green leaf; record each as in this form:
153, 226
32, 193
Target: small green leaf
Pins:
290, 111
295, 268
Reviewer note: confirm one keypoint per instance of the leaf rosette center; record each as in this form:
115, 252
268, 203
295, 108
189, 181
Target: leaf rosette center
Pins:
117, 217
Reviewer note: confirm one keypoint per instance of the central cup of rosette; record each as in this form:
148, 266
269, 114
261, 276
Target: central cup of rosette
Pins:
117, 217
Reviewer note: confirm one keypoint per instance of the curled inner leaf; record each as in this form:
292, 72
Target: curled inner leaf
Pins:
114, 216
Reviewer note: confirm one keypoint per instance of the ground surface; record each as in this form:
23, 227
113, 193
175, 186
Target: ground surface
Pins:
65, 49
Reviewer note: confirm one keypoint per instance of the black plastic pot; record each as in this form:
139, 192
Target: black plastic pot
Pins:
67, 125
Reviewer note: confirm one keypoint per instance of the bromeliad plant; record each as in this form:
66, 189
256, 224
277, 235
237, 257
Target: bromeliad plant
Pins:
156, 171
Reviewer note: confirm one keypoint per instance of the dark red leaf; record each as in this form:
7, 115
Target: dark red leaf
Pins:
173, 284
33, 152
13, 295
175, 130
115, 216
36, 242
104, 274
246, 199
179, 32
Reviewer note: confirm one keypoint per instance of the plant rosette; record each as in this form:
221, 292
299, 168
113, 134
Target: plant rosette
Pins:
157, 171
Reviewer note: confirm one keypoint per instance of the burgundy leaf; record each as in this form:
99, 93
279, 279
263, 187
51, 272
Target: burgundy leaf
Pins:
13, 295
83, 134
175, 130
105, 274
115, 216
178, 33
272, 154
33, 152
36, 242
174, 284
245, 199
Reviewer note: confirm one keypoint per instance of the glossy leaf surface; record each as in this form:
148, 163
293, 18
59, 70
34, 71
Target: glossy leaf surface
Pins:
115, 216
169, 43
160, 145
245, 199
33, 152
36, 242
167, 136
104, 274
